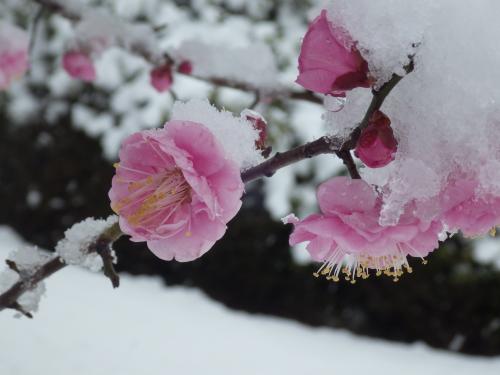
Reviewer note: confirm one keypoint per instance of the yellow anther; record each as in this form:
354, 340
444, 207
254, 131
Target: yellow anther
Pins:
188, 234
493, 232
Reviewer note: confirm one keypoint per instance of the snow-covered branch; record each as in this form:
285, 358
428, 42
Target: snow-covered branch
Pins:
139, 39
87, 244
327, 144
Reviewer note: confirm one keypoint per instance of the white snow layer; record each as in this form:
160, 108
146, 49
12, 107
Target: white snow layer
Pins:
144, 327
73, 248
236, 134
101, 30
28, 259
446, 113
253, 65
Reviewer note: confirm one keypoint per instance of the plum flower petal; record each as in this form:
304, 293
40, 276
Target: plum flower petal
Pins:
377, 145
348, 238
79, 65
464, 207
14, 43
175, 189
326, 64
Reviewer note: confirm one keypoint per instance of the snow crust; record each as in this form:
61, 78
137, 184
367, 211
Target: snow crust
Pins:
100, 29
253, 65
12, 38
28, 260
73, 248
236, 134
175, 330
446, 113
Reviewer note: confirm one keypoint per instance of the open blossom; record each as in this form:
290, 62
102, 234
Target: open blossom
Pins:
14, 43
348, 238
376, 145
161, 77
326, 64
175, 189
79, 65
462, 206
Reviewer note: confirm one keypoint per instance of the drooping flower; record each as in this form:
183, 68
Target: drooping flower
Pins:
376, 145
79, 65
175, 189
14, 43
327, 65
348, 238
185, 67
259, 124
462, 206
161, 77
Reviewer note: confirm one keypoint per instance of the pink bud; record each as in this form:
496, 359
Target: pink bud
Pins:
260, 124
326, 65
376, 145
161, 77
79, 65
185, 67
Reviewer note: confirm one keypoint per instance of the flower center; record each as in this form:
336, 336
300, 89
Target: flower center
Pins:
154, 198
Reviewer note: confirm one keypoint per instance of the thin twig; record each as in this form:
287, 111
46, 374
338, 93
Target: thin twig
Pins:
348, 161
34, 27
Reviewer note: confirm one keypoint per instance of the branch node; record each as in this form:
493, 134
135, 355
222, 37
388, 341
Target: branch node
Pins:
13, 266
103, 248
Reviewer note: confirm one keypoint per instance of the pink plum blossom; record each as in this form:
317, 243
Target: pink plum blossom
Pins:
175, 189
79, 65
326, 64
161, 77
463, 206
348, 238
14, 44
376, 145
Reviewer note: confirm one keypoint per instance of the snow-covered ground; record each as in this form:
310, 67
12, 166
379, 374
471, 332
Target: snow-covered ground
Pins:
86, 327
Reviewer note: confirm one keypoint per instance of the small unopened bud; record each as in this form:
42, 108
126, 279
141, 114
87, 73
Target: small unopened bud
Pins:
79, 65
185, 67
376, 145
161, 77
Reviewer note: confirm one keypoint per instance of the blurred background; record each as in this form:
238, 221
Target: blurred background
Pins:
59, 138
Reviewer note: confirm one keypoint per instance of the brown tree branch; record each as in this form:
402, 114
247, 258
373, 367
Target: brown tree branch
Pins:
348, 161
325, 144
8, 299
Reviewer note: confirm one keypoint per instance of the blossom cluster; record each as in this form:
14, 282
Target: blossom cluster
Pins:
177, 187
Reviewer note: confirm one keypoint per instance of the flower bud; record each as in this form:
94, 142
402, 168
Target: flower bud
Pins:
161, 77
376, 145
79, 65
